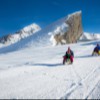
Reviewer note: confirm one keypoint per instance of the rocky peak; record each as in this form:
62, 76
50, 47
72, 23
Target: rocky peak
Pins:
74, 29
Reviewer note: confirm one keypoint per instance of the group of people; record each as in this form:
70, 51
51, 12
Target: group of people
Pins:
69, 56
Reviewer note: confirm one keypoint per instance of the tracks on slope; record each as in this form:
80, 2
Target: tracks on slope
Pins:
83, 84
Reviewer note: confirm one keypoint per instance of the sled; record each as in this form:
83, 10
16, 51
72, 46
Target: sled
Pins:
68, 62
95, 54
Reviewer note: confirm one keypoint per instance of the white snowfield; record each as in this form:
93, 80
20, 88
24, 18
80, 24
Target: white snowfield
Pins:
38, 73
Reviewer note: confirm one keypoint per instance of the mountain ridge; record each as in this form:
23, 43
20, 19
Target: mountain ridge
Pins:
40, 39
21, 34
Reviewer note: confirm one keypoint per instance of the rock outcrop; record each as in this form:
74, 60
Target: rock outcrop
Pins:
74, 29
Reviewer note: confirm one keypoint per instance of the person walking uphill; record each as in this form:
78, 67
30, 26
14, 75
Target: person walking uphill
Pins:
68, 56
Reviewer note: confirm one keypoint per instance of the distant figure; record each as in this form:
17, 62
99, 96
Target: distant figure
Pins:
96, 50
68, 56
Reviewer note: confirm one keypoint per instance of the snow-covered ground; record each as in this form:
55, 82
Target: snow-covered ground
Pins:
38, 73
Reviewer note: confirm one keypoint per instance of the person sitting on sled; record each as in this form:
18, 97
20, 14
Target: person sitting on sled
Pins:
68, 56
96, 50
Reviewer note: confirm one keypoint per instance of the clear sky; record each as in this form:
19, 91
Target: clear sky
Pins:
15, 14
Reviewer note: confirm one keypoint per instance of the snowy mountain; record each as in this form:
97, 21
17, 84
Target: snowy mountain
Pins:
71, 31
23, 33
41, 38
44, 37
89, 36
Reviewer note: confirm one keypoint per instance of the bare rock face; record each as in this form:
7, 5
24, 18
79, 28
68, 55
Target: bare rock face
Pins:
74, 29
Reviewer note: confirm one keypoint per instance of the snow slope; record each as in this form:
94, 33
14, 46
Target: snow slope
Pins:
38, 73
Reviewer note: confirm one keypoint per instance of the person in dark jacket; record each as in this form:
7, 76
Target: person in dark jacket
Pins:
96, 50
68, 56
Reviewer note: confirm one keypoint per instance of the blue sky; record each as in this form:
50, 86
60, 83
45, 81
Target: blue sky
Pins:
15, 14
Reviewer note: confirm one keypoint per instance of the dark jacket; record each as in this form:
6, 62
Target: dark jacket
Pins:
71, 54
97, 48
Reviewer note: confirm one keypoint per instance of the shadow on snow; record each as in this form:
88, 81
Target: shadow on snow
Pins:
48, 65
84, 56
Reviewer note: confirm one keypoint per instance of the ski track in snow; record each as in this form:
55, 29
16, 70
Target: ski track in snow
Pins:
30, 73
82, 84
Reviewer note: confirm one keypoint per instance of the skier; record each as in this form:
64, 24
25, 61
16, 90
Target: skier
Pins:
68, 56
96, 50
